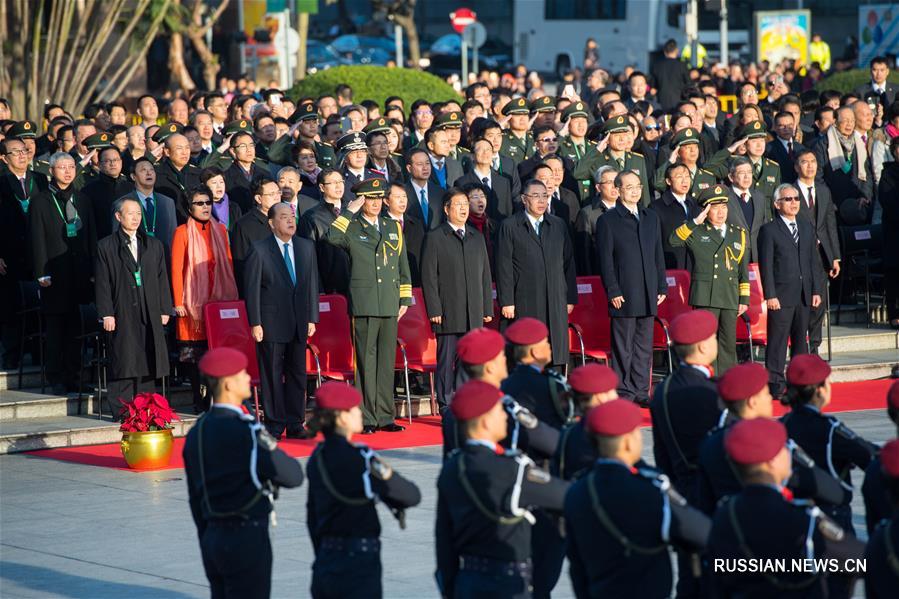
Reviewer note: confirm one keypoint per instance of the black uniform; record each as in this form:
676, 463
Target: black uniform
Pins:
483, 532
882, 575
345, 483
877, 500
231, 503
619, 523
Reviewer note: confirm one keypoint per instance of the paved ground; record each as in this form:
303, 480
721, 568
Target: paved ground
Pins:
68, 530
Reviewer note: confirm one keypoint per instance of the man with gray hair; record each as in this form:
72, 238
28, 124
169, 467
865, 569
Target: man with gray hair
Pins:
135, 301
792, 282
748, 206
291, 185
604, 199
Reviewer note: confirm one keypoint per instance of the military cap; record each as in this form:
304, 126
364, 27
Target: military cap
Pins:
893, 396
479, 346
576, 109
742, 381
98, 141
474, 398
693, 326
166, 131
684, 137
22, 130
222, 361
753, 129
335, 395
354, 140
241, 126
544, 104
516, 106
716, 194
807, 369
593, 378
755, 441
448, 120
371, 188
377, 126
889, 459
526, 331
614, 418
616, 124
303, 112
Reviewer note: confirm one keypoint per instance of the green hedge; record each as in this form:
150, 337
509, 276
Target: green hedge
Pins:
847, 81
376, 83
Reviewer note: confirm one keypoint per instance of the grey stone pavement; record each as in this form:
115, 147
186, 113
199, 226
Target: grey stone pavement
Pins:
74, 531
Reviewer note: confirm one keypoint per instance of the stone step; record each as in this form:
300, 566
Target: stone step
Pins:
29, 404
863, 365
845, 339
31, 377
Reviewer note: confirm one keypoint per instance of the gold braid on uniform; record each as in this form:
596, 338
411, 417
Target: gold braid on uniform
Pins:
341, 223
683, 232
729, 255
405, 289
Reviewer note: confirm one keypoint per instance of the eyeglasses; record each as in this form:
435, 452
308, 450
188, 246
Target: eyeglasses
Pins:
423, 112
652, 127
245, 146
459, 205
111, 161
789, 199
17, 152
334, 183
537, 196
630, 188
547, 140
270, 194
206, 203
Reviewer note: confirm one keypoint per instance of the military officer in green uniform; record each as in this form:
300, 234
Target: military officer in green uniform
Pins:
575, 145
380, 293
451, 122
86, 172
686, 150
765, 172
613, 151
544, 111
26, 132
518, 143
720, 277
304, 121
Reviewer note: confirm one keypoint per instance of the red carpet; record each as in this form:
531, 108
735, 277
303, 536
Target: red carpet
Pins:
424, 431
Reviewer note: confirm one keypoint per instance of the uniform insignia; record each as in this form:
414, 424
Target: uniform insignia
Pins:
688, 133
363, 238
104, 137
536, 475
579, 106
738, 246
26, 126
392, 236
243, 124
703, 186
705, 238
454, 116
756, 125
770, 179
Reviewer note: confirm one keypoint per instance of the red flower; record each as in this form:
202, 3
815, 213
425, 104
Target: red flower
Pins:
146, 412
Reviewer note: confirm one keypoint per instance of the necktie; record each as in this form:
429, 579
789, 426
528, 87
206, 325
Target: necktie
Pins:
439, 165
620, 164
723, 231
795, 231
555, 196
537, 227
424, 205
811, 198
744, 197
865, 138
151, 212
757, 169
132, 245
486, 181
289, 263
460, 234
24, 190
790, 148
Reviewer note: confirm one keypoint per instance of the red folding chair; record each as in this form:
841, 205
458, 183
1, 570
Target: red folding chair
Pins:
752, 327
329, 352
589, 327
227, 326
677, 302
416, 349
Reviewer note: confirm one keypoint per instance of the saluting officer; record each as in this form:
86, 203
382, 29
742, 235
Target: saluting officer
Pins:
620, 521
761, 523
720, 277
518, 143
231, 504
304, 125
346, 481
765, 172
882, 574
575, 145
685, 144
483, 532
614, 150
380, 293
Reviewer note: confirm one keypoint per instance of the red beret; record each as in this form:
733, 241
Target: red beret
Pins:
474, 399
593, 378
755, 441
893, 396
807, 369
480, 346
889, 458
334, 395
526, 331
222, 361
614, 418
742, 381
693, 326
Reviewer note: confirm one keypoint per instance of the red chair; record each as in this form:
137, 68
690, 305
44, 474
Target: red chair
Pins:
227, 326
677, 302
416, 347
752, 327
329, 352
589, 327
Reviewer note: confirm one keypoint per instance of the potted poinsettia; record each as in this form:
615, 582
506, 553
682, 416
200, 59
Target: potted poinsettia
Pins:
147, 431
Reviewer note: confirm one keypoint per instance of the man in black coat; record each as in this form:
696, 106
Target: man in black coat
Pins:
253, 226
104, 189
792, 281
500, 202
535, 268
671, 76
880, 71
244, 172
63, 250
635, 284
281, 289
673, 208
784, 149
748, 207
425, 196
455, 281
175, 176
585, 225
333, 261
135, 301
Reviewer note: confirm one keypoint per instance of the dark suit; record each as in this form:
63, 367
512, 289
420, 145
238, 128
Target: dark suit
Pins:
506, 168
566, 205
760, 210
887, 98
844, 186
165, 219
435, 205
500, 201
791, 274
333, 261
638, 276
284, 309
239, 184
102, 191
456, 287
671, 76
349, 179
452, 170
671, 215
175, 184
778, 153
250, 228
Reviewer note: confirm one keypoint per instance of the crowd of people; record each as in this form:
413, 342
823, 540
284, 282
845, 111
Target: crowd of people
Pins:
272, 200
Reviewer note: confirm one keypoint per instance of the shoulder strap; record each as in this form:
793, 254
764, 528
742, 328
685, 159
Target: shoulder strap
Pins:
664, 407
240, 512
469, 490
609, 525
329, 485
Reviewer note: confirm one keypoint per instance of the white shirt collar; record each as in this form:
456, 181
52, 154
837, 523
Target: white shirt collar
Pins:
785, 142
680, 198
455, 228
533, 220
786, 221
418, 190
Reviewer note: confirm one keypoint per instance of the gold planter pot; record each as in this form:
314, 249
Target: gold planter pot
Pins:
147, 450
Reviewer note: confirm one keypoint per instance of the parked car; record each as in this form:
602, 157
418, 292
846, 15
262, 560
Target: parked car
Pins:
445, 55
365, 49
321, 56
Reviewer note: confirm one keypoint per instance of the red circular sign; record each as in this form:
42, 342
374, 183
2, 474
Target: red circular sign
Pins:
462, 18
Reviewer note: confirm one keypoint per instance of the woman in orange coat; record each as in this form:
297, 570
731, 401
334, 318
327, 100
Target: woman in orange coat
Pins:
202, 272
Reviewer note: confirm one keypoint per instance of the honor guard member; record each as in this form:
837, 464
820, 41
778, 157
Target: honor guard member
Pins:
483, 532
232, 504
877, 500
686, 150
451, 122
621, 520
304, 122
882, 557
518, 143
346, 481
745, 395
482, 357
380, 293
614, 151
720, 274
575, 145
761, 523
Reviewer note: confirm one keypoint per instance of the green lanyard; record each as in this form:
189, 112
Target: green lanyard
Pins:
150, 231
71, 227
24, 202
